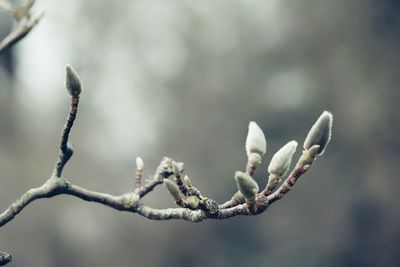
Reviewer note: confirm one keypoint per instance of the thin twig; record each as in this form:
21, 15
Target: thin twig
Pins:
195, 208
66, 149
164, 170
25, 22
131, 201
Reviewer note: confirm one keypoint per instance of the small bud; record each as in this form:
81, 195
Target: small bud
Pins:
320, 133
247, 186
5, 258
187, 181
139, 164
280, 162
255, 141
193, 202
176, 169
72, 81
172, 188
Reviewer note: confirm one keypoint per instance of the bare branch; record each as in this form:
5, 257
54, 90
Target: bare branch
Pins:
66, 149
194, 207
164, 170
236, 199
25, 22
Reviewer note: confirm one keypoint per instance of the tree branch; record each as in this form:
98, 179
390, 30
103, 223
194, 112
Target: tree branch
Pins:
66, 149
194, 206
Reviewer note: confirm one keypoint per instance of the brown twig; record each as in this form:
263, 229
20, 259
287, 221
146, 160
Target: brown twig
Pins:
302, 166
66, 148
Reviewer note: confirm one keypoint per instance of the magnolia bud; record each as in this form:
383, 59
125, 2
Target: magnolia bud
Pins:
139, 164
193, 202
247, 186
172, 188
187, 181
255, 141
280, 162
5, 258
72, 81
320, 133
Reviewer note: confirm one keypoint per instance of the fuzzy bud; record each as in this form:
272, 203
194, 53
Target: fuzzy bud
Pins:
280, 162
193, 202
172, 188
72, 81
247, 186
320, 133
187, 181
255, 141
139, 164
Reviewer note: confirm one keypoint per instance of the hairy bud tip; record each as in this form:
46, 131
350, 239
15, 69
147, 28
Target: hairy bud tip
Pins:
320, 133
72, 81
246, 185
255, 141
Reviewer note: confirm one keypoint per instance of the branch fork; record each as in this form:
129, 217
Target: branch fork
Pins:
26, 21
194, 206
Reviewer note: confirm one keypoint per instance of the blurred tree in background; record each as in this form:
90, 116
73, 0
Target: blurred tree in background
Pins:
182, 79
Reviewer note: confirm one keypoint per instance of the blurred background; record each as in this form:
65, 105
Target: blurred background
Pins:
183, 79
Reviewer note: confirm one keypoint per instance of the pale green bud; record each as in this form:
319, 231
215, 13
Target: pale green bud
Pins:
255, 141
72, 81
172, 188
280, 162
139, 163
193, 202
187, 181
247, 186
320, 133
